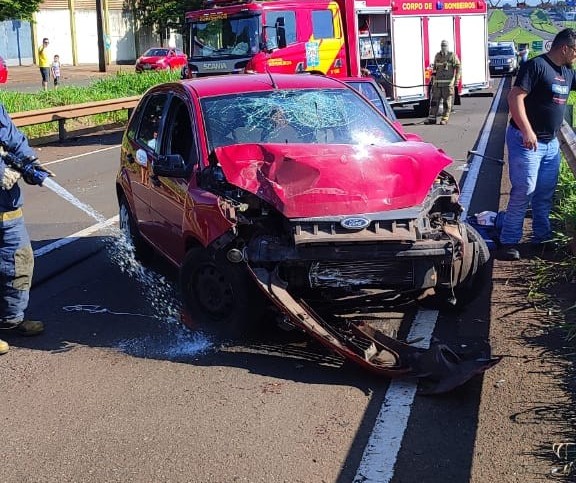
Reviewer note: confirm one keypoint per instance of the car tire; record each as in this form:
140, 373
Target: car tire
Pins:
220, 295
142, 250
471, 286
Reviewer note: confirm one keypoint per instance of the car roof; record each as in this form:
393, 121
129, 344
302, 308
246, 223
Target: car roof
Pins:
244, 83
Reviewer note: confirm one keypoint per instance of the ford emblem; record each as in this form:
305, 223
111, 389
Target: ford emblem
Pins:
355, 223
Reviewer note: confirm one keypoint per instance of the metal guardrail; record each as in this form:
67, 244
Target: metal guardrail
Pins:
61, 114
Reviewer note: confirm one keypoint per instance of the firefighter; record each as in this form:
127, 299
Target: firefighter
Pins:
446, 73
16, 256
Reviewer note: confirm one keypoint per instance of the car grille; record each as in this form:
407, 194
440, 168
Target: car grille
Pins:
498, 62
332, 231
361, 274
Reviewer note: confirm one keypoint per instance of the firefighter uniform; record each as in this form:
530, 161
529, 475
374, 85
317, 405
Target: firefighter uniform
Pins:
446, 73
16, 255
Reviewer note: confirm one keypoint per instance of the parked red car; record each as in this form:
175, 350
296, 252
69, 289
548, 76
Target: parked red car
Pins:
298, 188
159, 58
3, 71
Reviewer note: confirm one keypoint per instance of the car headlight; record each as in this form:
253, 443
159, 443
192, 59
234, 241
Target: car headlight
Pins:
509, 61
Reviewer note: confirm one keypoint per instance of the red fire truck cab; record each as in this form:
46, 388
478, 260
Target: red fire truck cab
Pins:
393, 40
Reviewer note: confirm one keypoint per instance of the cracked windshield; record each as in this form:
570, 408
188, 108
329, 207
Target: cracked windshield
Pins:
327, 116
225, 35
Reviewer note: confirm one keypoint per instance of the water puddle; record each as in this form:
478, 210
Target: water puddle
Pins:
177, 341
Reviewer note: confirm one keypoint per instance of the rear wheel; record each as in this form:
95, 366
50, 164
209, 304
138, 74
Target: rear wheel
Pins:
219, 294
422, 109
142, 249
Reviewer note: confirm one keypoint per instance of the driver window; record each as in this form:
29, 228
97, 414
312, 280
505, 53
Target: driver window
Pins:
179, 137
285, 24
150, 121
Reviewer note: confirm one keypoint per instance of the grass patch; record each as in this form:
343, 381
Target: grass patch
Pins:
496, 21
122, 84
540, 21
520, 36
549, 278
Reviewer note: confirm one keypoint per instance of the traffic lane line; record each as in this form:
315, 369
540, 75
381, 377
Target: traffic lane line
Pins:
383, 446
381, 453
57, 257
81, 155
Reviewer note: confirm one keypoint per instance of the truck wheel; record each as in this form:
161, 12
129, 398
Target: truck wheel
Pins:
142, 250
220, 295
422, 109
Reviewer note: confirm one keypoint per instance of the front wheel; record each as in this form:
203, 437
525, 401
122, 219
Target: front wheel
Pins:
142, 250
219, 294
472, 282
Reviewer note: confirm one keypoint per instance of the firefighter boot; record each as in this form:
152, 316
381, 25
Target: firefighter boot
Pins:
444, 122
4, 347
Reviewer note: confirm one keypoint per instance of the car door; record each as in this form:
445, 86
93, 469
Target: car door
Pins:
169, 195
139, 152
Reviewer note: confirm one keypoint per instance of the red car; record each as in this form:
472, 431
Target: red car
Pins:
159, 58
298, 188
3, 71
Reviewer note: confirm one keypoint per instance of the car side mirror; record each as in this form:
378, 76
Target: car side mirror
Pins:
171, 166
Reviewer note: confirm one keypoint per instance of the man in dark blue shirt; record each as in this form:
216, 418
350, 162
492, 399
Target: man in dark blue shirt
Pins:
16, 255
537, 103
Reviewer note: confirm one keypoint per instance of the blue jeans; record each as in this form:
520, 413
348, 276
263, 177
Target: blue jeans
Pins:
16, 267
534, 175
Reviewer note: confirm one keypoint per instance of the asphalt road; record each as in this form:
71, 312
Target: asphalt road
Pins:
116, 390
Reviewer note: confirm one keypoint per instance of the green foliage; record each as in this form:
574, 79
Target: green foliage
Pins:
120, 85
541, 21
520, 36
496, 21
165, 14
18, 9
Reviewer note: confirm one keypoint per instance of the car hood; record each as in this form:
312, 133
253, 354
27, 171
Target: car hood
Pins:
311, 180
152, 59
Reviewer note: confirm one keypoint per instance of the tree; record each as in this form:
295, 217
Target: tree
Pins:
18, 9
165, 14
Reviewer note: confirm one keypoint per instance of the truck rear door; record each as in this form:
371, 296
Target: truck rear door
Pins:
408, 54
474, 52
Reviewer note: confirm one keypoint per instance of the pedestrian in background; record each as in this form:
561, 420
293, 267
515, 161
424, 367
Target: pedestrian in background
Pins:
16, 255
44, 63
55, 68
445, 76
537, 103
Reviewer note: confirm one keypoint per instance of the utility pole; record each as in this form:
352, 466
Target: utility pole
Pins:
100, 28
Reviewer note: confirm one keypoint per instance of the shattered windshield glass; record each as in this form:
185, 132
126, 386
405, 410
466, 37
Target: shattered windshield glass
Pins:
309, 116
225, 35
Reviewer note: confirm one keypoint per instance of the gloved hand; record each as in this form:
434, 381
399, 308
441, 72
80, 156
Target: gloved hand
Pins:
9, 179
34, 173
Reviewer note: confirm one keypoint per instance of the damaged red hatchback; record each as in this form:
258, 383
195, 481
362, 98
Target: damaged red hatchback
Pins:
296, 187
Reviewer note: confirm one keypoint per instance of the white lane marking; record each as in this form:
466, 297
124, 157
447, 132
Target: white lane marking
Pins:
381, 452
74, 237
472, 177
81, 155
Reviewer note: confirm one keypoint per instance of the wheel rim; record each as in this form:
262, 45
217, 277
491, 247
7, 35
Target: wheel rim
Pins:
213, 291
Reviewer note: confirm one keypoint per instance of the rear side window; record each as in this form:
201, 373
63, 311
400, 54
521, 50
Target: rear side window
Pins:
285, 24
150, 121
322, 24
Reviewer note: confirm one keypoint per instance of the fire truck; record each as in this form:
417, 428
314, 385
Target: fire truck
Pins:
393, 40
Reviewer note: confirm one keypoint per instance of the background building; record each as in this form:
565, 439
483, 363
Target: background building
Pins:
72, 29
